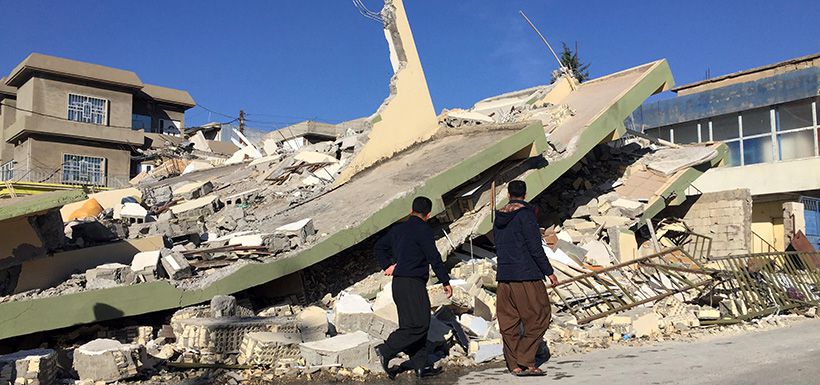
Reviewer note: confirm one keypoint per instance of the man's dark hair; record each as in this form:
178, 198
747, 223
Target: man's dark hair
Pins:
517, 188
422, 205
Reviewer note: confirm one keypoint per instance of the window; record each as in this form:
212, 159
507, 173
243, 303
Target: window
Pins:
756, 122
795, 130
685, 133
141, 122
795, 115
725, 127
7, 171
79, 169
170, 127
87, 109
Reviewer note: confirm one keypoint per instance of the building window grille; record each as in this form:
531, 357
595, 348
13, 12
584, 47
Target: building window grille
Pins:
7, 171
87, 109
80, 169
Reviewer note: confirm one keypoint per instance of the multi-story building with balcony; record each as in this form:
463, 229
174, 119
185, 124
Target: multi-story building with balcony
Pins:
71, 122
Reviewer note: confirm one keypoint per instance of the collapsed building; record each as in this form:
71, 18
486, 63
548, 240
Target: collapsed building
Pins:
260, 258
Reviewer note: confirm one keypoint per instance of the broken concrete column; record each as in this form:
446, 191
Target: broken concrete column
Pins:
175, 264
223, 306
794, 220
267, 348
312, 323
29, 367
348, 350
108, 360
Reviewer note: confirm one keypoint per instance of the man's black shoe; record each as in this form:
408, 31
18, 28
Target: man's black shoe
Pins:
391, 374
428, 372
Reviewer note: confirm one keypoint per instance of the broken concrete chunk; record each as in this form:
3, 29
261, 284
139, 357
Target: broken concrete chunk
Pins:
133, 213
630, 208
175, 264
108, 275
484, 305
476, 326
302, 228
225, 334
108, 360
348, 350
194, 190
29, 367
483, 351
708, 314
598, 253
223, 306
146, 264
267, 348
312, 157
351, 312
312, 323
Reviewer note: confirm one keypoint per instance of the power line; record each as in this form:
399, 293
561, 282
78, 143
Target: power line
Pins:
366, 12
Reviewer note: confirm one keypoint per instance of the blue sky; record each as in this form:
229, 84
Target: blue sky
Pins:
285, 61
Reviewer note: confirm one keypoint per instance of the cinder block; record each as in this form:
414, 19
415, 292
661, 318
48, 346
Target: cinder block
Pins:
29, 367
108, 360
348, 350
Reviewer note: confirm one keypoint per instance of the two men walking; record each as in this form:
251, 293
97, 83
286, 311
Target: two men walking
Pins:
523, 309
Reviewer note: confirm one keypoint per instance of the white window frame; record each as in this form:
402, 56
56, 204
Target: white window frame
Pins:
88, 180
90, 119
7, 171
175, 123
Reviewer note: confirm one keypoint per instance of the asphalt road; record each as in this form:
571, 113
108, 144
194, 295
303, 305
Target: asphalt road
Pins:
787, 355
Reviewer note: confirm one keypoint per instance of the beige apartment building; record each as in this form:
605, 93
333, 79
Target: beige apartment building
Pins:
71, 122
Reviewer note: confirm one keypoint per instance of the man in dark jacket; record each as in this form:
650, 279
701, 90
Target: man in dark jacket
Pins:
522, 296
407, 252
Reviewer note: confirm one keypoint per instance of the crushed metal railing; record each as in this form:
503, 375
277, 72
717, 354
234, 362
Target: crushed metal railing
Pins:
629, 284
757, 285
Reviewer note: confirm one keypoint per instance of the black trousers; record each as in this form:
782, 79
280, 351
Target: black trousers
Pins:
413, 305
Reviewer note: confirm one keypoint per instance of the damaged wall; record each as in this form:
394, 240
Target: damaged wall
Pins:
407, 116
724, 216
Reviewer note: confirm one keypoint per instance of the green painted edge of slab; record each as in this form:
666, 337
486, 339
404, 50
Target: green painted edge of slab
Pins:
41, 314
597, 131
42, 202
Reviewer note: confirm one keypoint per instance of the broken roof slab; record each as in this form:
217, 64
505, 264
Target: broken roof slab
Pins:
17, 207
431, 168
600, 107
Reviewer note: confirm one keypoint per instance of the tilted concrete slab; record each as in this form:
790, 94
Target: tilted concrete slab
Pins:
600, 107
431, 168
17, 207
674, 191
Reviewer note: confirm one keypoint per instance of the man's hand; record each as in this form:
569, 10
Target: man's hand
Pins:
389, 271
448, 290
553, 279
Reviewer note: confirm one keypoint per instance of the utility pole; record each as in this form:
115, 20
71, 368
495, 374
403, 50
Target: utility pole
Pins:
242, 121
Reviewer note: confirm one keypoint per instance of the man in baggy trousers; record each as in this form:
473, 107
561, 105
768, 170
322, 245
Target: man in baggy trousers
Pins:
407, 252
522, 301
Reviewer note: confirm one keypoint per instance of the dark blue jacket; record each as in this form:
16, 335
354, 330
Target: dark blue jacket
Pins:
411, 246
521, 256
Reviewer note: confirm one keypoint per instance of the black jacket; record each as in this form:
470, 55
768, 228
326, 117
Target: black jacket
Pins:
521, 256
411, 246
